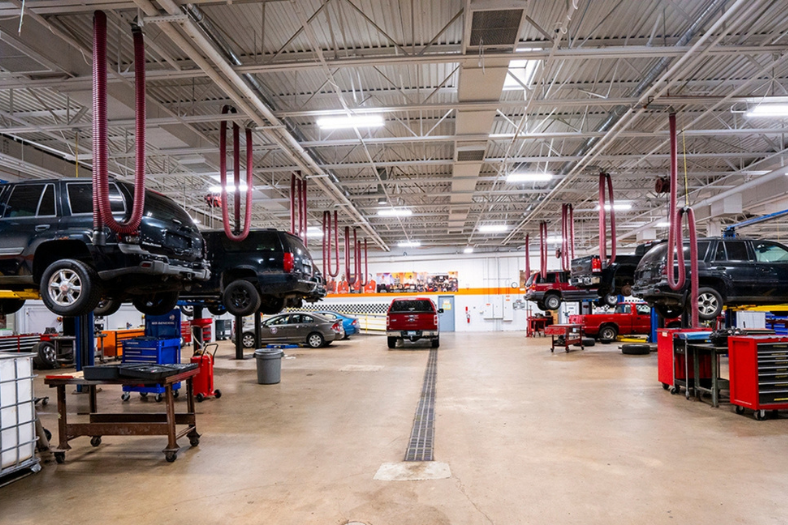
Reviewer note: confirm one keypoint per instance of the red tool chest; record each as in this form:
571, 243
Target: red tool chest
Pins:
667, 365
758, 373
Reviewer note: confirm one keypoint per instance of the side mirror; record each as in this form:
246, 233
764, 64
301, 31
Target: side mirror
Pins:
440, 310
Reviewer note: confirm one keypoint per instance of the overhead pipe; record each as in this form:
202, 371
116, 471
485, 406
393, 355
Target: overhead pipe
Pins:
675, 241
603, 179
351, 280
102, 209
327, 268
240, 233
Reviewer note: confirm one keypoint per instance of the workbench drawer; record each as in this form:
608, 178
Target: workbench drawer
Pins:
776, 376
771, 386
772, 363
770, 398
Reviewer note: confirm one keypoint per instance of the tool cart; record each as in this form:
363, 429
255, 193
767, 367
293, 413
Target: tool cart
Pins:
161, 345
564, 335
758, 368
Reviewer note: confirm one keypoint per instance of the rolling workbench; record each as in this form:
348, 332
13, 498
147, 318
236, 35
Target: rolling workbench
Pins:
564, 335
126, 424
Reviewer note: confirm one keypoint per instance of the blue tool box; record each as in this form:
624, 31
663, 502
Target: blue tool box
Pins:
160, 346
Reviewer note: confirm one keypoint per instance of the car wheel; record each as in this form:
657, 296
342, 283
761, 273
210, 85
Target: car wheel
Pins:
392, 341
70, 288
107, 306
241, 298
608, 333
46, 354
709, 303
247, 340
217, 309
315, 340
610, 299
552, 302
187, 311
540, 305
158, 303
667, 311
9, 306
271, 305
626, 290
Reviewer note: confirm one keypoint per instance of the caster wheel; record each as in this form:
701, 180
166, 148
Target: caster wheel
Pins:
194, 441
739, 410
48, 434
760, 415
60, 457
95, 441
665, 386
126, 396
217, 393
158, 398
674, 390
171, 456
200, 398
175, 394
144, 395
45, 401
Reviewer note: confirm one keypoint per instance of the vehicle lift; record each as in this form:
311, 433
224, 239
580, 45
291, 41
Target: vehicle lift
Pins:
197, 335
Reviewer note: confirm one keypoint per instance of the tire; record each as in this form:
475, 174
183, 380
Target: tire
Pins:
626, 290
271, 305
436, 343
9, 306
187, 311
635, 349
315, 340
589, 341
247, 340
610, 300
241, 298
157, 303
200, 397
540, 305
552, 301
70, 288
667, 311
107, 306
45, 352
392, 341
217, 309
709, 303
217, 393
608, 333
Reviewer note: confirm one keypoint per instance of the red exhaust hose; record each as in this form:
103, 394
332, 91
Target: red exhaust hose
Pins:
362, 275
302, 210
228, 230
527, 258
543, 249
292, 204
351, 280
603, 220
333, 272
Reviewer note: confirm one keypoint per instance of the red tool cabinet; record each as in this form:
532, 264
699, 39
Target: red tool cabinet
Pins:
759, 373
667, 365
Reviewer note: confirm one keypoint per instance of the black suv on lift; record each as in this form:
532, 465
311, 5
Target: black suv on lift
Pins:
730, 271
46, 243
265, 272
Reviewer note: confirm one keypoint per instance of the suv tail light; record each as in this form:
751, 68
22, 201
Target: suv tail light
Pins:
289, 262
596, 264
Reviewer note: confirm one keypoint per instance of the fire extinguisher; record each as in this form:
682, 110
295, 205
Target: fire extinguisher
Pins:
467, 315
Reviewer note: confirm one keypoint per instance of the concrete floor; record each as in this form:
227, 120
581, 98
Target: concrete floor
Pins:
530, 437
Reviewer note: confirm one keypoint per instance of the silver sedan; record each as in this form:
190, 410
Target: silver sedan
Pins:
303, 328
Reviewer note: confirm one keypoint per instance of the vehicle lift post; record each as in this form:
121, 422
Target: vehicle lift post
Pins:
257, 330
197, 341
239, 337
84, 343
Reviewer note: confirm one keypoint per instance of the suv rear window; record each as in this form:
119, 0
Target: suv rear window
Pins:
660, 253
416, 306
80, 198
266, 242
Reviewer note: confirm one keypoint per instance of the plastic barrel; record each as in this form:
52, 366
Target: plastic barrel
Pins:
269, 365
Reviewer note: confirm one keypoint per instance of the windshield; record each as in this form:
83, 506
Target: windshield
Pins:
416, 306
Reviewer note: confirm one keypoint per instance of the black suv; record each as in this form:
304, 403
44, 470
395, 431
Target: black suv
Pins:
265, 272
730, 271
46, 244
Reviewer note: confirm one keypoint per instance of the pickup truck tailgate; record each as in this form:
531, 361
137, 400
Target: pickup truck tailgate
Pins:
412, 321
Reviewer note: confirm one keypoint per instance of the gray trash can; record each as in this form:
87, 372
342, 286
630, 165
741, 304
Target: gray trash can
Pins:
269, 365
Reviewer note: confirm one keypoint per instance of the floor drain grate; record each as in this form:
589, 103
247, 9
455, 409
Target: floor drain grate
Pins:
421, 436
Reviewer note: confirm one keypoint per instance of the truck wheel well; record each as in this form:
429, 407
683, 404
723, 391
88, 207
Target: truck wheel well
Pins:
605, 325
717, 284
50, 252
238, 273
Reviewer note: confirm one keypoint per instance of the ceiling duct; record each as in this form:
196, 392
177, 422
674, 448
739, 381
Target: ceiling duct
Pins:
470, 155
499, 27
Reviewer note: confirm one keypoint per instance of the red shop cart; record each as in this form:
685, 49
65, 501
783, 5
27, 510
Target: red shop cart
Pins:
564, 335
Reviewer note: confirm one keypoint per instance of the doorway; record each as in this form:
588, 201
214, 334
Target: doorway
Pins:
446, 319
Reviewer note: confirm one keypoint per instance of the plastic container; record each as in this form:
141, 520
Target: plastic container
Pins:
17, 413
269, 365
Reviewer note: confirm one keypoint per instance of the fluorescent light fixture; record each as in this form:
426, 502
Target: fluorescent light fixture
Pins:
529, 176
554, 238
230, 188
619, 206
409, 244
314, 231
520, 74
768, 110
353, 121
663, 224
469, 249
395, 212
493, 228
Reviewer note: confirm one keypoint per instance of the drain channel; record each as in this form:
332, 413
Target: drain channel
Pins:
421, 436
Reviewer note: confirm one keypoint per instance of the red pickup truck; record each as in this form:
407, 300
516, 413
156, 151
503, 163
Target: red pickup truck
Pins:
412, 319
626, 319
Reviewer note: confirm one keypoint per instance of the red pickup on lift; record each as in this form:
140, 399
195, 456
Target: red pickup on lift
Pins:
626, 319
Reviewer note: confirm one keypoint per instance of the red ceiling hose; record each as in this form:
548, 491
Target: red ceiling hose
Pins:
564, 239
362, 276
603, 220
100, 177
543, 249
675, 240
331, 271
527, 258
571, 231
302, 210
292, 204
239, 234
351, 280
